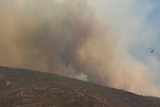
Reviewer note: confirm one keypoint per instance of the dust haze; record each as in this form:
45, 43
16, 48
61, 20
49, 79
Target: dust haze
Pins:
67, 38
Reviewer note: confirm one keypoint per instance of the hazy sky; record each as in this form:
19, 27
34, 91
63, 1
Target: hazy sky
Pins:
139, 22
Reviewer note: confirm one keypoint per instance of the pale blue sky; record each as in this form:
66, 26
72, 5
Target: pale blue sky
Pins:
147, 12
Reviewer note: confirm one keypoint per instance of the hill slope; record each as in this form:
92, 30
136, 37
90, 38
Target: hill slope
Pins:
26, 88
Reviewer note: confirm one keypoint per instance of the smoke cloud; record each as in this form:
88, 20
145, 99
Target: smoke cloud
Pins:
67, 37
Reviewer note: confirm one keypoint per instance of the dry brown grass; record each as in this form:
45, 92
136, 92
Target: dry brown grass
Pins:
26, 88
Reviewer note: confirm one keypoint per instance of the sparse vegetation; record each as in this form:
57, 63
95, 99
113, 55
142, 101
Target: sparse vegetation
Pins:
26, 88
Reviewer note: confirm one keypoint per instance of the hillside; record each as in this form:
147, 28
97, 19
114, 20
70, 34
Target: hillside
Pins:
26, 88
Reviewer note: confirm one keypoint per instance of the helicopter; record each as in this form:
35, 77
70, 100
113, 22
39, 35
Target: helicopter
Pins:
151, 50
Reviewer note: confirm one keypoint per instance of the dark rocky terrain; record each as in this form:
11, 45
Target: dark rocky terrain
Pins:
26, 88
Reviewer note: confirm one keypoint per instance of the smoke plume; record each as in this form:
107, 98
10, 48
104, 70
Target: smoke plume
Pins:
66, 37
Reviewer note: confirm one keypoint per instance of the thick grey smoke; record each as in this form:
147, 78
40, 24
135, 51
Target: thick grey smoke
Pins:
66, 38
